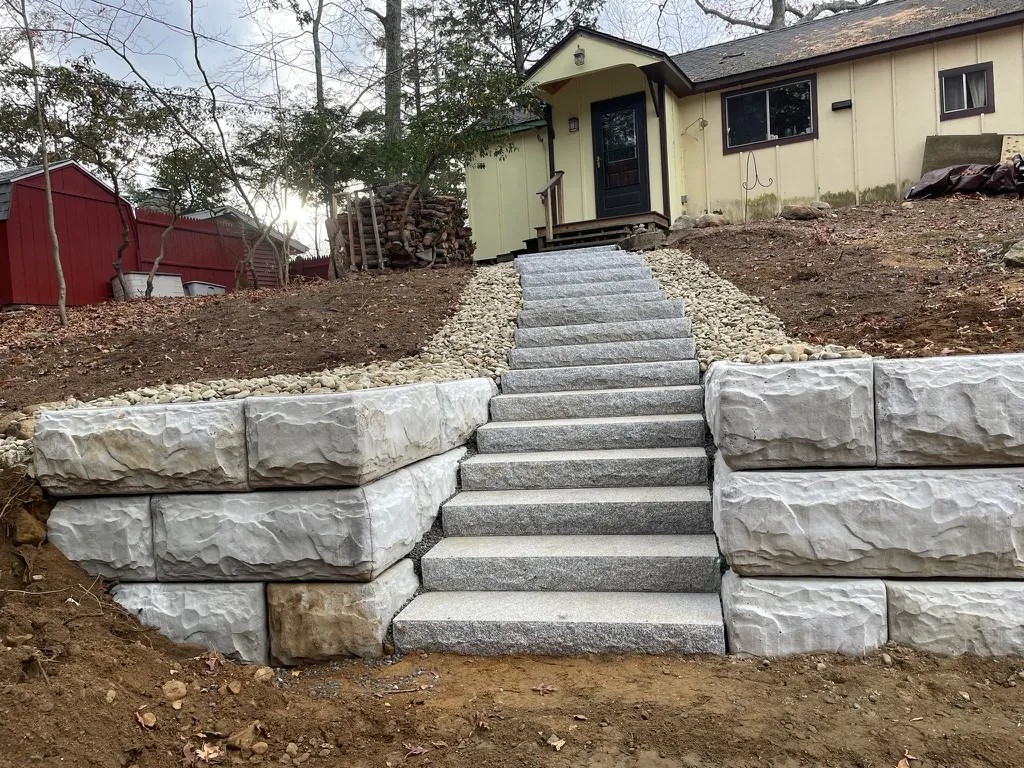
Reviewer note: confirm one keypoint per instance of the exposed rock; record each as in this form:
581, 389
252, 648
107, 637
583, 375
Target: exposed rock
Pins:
950, 410
22, 429
818, 414
963, 523
642, 241
782, 617
464, 406
682, 223
319, 622
226, 618
110, 537
712, 220
1014, 257
802, 212
142, 449
349, 534
984, 618
822, 205
27, 529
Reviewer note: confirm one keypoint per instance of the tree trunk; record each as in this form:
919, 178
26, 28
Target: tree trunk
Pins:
778, 15
160, 254
62, 289
125, 235
393, 71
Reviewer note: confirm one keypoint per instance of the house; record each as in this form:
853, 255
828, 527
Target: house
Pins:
837, 109
89, 233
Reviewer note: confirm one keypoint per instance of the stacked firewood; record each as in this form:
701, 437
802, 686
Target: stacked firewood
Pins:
421, 231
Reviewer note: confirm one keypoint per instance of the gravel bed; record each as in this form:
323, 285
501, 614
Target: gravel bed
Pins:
729, 324
474, 342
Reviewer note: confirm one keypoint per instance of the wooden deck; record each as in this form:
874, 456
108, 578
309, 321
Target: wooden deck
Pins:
582, 234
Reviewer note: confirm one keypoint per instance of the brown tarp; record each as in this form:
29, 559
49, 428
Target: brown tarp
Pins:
1001, 179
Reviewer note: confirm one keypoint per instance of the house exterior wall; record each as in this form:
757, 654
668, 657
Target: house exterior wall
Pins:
502, 196
869, 153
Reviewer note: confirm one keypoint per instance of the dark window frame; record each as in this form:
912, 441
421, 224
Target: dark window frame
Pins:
990, 91
812, 78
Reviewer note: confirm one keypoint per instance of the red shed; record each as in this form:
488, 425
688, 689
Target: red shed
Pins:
88, 228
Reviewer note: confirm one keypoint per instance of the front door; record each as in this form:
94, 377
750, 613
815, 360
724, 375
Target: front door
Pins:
620, 156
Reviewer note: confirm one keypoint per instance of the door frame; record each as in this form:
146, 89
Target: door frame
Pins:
638, 99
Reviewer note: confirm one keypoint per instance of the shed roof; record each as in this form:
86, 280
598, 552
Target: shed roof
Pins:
229, 212
844, 36
7, 179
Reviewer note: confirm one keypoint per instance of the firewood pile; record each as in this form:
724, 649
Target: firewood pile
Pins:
434, 232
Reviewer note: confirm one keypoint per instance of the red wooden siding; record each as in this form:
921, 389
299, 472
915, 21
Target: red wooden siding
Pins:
311, 267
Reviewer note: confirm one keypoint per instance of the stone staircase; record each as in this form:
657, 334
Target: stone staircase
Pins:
584, 523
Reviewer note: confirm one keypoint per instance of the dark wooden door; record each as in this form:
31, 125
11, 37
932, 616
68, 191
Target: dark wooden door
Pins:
620, 155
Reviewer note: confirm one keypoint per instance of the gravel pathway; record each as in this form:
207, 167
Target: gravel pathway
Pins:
729, 324
474, 342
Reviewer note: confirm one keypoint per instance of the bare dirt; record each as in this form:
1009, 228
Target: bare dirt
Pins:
896, 282
110, 348
82, 685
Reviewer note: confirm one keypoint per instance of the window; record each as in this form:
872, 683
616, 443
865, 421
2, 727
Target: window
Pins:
967, 91
768, 115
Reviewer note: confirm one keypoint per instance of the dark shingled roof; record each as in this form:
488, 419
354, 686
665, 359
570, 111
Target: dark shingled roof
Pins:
882, 23
6, 185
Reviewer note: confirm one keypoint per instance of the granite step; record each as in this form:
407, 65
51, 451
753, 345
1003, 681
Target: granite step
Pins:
576, 315
608, 353
642, 401
574, 290
666, 373
606, 275
610, 301
605, 433
561, 624
635, 467
688, 563
598, 333
580, 511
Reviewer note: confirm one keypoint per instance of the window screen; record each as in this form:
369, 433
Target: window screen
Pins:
769, 114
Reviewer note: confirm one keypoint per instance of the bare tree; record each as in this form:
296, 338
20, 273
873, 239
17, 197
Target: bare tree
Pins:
767, 15
19, 9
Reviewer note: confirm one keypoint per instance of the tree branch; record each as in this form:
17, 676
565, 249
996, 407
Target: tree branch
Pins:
833, 6
733, 19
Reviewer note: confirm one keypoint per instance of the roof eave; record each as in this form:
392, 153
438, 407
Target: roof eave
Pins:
886, 46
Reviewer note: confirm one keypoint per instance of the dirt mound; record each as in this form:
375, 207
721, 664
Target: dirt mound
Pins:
919, 281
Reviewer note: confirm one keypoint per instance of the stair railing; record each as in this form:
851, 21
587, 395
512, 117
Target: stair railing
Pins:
551, 199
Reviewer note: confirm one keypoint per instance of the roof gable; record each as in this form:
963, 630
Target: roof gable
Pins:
864, 32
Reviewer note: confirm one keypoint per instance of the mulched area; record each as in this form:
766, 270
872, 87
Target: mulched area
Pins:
306, 327
896, 282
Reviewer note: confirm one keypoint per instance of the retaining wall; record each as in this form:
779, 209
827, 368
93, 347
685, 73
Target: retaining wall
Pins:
861, 501
269, 528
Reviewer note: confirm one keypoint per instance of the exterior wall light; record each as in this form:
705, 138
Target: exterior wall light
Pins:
580, 56
574, 124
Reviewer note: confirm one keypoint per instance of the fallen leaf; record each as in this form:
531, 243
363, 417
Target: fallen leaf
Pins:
579, 717
556, 742
208, 752
414, 749
543, 689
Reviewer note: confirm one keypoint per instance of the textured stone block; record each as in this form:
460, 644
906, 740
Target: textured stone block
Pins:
782, 617
141, 449
110, 537
352, 438
346, 534
319, 622
819, 414
965, 523
227, 618
985, 618
950, 410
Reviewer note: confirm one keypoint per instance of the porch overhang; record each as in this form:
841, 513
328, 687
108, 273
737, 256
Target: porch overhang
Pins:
602, 52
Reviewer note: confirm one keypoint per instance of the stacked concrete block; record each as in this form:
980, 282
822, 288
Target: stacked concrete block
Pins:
834, 478
228, 497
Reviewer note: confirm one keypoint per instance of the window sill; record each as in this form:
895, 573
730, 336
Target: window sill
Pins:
770, 143
973, 112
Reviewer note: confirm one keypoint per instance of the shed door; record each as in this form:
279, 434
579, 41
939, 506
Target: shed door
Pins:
620, 156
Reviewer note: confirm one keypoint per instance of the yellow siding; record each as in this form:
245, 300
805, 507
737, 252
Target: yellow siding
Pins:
503, 204
598, 55
871, 152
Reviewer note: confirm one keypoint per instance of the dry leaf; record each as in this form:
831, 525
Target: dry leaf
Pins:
414, 749
208, 752
543, 689
579, 717
481, 721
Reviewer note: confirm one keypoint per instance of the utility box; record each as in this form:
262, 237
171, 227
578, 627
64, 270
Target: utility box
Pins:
200, 288
164, 285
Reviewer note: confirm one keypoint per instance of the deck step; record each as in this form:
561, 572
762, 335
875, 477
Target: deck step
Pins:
574, 290
666, 373
610, 353
608, 275
598, 333
579, 404
606, 433
580, 511
594, 302
635, 467
573, 564
624, 313
557, 623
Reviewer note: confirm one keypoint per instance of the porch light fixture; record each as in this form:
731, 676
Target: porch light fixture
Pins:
580, 56
574, 124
